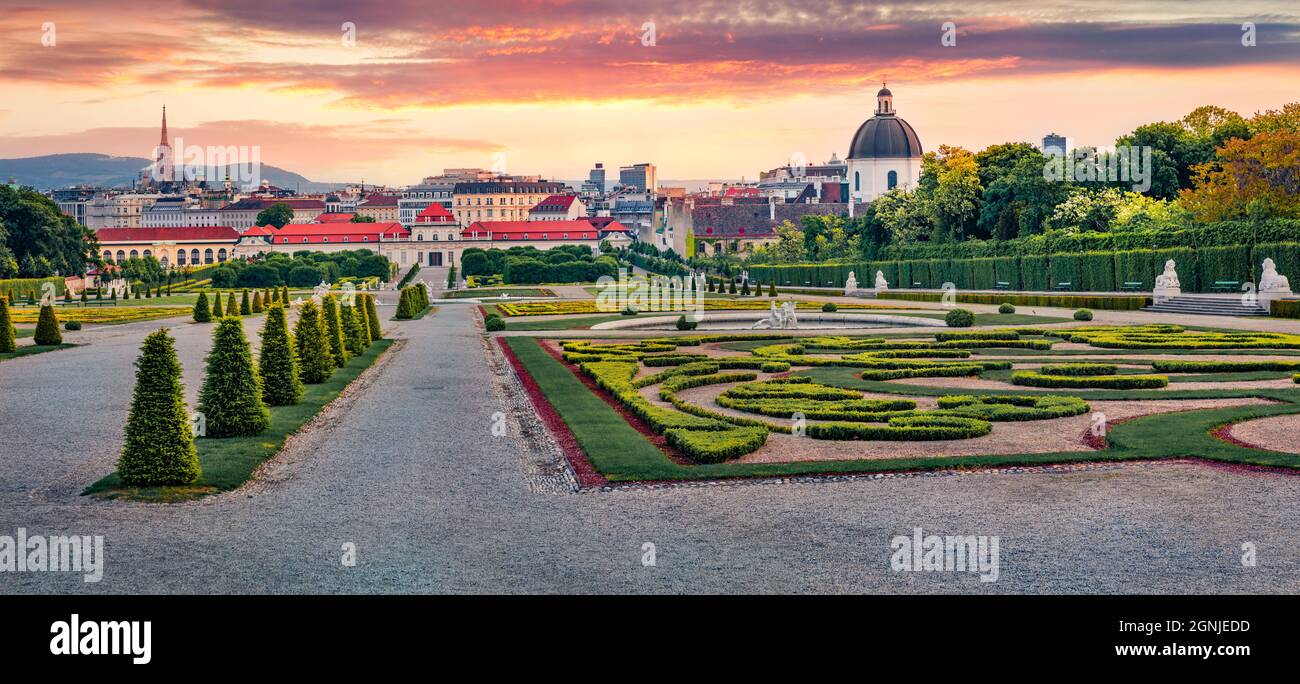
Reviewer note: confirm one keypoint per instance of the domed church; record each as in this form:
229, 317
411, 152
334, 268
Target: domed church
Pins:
885, 153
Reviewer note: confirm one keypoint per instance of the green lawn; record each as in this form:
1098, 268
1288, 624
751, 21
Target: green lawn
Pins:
28, 350
228, 463
481, 292
620, 453
562, 324
996, 318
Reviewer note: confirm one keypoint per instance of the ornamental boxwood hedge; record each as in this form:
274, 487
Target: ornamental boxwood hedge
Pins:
1032, 379
959, 318
1223, 366
8, 336
904, 428
716, 446
1077, 369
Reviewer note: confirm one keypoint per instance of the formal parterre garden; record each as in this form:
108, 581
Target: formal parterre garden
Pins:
746, 405
590, 306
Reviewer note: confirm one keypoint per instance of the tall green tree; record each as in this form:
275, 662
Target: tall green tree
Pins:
159, 446
353, 334
278, 215
231, 397
37, 240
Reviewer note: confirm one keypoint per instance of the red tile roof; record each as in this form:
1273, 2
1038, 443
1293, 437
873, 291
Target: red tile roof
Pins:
333, 218
577, 229
435, 213
259, 203
317, 233
378, 200
554, 203
183, 234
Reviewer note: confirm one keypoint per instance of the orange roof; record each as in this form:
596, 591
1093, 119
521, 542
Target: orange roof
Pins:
183, 234
333, 218
576, 229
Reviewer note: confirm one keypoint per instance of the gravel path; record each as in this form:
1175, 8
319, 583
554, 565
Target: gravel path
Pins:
1277, 433
411, 473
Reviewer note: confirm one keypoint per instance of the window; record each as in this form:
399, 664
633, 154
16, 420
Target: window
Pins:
284, 241
893, 180
419, 237
121, 256
148, 253
305, 240
221, 255
207, 256
194, 256
345, 238
566, 236
366, 239
857, 181
135, 254
325, 239
180, 258
108, 256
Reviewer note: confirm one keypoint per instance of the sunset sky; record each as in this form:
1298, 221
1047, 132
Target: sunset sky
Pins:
728, 88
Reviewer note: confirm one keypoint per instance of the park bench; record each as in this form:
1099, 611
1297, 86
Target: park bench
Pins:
1001, 285
1131, 286
916, 284
1064, 286
1226, 285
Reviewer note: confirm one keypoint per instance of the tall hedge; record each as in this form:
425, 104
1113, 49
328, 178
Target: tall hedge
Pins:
8, 336
334, 331
315, 360
281, 385
231, 397
159, 446
47, 327
201, 312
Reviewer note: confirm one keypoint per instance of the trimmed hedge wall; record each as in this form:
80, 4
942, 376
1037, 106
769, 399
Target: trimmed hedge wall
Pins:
1115, 302
1090, 271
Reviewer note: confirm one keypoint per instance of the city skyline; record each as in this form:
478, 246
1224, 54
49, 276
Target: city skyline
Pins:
723, 91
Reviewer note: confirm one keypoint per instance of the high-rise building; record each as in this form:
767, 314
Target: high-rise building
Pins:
639, 176
1054, 144
595, 183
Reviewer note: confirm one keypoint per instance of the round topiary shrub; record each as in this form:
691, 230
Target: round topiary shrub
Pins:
72, 325
829, 307
1006, 308
684, 323
629, 311
1083, 315
959, 318
494, 324
159, 447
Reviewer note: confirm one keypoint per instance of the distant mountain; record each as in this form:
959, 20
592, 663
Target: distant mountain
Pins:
54, 171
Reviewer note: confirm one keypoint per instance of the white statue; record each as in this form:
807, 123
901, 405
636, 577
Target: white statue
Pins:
1168, 279
881, 283
788, 322
778, 320
1271, 281
851, 284
1167, 284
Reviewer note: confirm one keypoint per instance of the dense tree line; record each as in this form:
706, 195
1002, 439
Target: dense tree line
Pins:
529, 265
303, 269
37, 240
1213, 165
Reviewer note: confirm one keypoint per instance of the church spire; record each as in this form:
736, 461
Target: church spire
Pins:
163, 140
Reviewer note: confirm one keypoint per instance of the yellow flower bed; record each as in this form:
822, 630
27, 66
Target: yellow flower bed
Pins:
588, 306
99, 314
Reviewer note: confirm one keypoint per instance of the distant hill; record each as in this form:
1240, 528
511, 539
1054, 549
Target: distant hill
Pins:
54, 171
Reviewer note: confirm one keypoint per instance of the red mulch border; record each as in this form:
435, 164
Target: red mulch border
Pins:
632, 419
585, 472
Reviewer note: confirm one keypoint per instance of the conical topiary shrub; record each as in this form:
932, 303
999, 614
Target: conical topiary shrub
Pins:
245, 307
8, 336
334, 331
159, 447
216, 305
232, 305
278, 363
231, 397
47, 327
201, 312
284, 294
771, 289
363, 319
376, 331
315, 362
351, 330
257, 302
